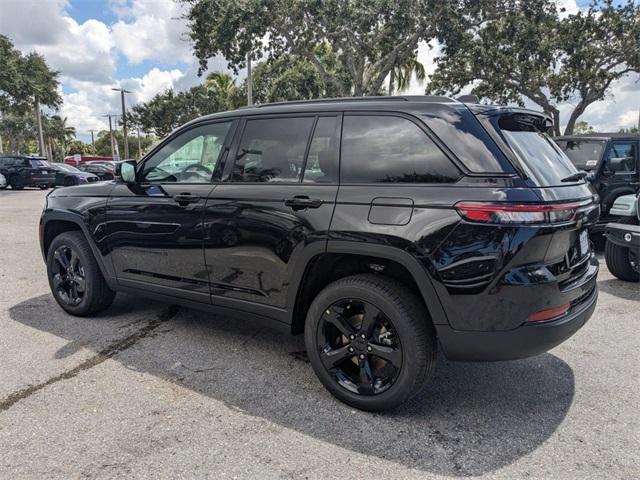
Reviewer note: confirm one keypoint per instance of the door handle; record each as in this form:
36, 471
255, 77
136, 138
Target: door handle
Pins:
302, 202
184, 199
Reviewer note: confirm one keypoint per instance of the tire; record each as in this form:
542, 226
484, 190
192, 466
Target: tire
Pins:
43, 187
411, 329
96, 295
16, 182
69, 181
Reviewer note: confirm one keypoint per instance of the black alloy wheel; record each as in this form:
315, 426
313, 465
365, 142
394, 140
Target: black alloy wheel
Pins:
359, 346
74, 276
370, 341
69, 277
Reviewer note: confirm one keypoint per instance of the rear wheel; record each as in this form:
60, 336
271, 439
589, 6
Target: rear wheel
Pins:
74, 276
370, 341
16, 182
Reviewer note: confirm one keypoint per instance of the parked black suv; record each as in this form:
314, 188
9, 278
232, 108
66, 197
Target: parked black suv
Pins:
23, 171
379, 227
613, 161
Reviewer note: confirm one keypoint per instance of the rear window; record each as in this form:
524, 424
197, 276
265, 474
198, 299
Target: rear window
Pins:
541, 159
584, 154
38, 163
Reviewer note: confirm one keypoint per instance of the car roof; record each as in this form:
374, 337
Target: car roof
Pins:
600, 136
406, 103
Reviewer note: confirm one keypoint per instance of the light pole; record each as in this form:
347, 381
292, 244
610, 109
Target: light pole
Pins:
108, 115
92, 142
124, 120
249, 81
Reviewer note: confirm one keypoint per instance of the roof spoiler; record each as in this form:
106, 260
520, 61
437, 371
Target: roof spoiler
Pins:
468, 99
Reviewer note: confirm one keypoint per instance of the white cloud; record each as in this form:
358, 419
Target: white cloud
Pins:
78, 51
151, 30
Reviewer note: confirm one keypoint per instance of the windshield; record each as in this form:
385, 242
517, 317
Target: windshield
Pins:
65, 167
584, 154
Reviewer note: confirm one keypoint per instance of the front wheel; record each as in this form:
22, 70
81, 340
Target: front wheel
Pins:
623, 262
370, 341
75, 279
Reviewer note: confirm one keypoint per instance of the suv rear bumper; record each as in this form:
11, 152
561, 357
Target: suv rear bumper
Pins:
525, 341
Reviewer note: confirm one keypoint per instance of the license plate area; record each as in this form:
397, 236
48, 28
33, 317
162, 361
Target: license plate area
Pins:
583, 243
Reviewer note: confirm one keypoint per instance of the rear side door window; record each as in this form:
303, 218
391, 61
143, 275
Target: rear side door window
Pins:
272, 150
391, 149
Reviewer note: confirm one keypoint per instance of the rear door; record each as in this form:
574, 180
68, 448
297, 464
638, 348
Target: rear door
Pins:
155, 226
275, 208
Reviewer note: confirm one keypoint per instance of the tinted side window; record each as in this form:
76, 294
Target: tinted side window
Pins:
322, 161
387, 149
272, 150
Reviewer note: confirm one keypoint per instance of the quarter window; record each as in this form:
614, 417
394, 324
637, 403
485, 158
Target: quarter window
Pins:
192, 157
389, 149
272, 150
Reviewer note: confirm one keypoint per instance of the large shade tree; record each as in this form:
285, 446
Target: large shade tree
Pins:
26, 84
529, 50
368, 37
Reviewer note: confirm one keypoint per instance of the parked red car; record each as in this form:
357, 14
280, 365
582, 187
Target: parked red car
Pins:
75, 160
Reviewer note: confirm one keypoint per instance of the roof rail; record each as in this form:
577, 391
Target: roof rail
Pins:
405, 98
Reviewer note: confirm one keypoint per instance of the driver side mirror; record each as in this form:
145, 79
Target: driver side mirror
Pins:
619, 164
127, 171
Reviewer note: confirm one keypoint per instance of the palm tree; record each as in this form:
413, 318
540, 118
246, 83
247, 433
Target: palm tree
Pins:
401, 74
224, 85
59, 134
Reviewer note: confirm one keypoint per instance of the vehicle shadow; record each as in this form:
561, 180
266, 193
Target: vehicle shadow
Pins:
620, 289
472, 419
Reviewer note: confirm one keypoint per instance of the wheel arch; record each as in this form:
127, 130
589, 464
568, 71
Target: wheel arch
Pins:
342, 259
55, 223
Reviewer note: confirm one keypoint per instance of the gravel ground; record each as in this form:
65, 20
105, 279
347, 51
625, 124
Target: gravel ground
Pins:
148, 390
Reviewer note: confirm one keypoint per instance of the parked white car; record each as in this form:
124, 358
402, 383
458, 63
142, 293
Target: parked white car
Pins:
3, 182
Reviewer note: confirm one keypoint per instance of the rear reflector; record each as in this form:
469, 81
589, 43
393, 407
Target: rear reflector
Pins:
517, 213
549, 313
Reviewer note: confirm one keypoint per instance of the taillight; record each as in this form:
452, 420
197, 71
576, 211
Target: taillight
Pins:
517, 212
549, 313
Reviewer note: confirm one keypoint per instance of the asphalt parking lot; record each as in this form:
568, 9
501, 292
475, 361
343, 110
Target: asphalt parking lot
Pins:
150, 390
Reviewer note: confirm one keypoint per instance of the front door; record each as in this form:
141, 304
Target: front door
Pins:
274, 209
155, 226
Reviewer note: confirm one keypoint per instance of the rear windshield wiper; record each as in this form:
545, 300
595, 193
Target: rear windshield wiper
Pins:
575, 177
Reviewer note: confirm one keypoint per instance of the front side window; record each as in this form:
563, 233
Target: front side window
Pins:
272, 150
623, 150
388, 149
192, 157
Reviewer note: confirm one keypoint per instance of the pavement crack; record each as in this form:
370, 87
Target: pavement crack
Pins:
106, 353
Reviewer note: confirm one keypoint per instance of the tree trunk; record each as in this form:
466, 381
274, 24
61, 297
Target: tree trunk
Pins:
40, 134
556, 122
575, 114
391, 75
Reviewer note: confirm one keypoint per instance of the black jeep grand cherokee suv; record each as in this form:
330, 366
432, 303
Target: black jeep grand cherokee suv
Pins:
379, 227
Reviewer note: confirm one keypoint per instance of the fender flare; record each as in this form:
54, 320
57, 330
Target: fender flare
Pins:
617, 192
408, 261
77, 219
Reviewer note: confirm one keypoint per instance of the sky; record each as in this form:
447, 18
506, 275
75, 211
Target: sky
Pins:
141, 45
